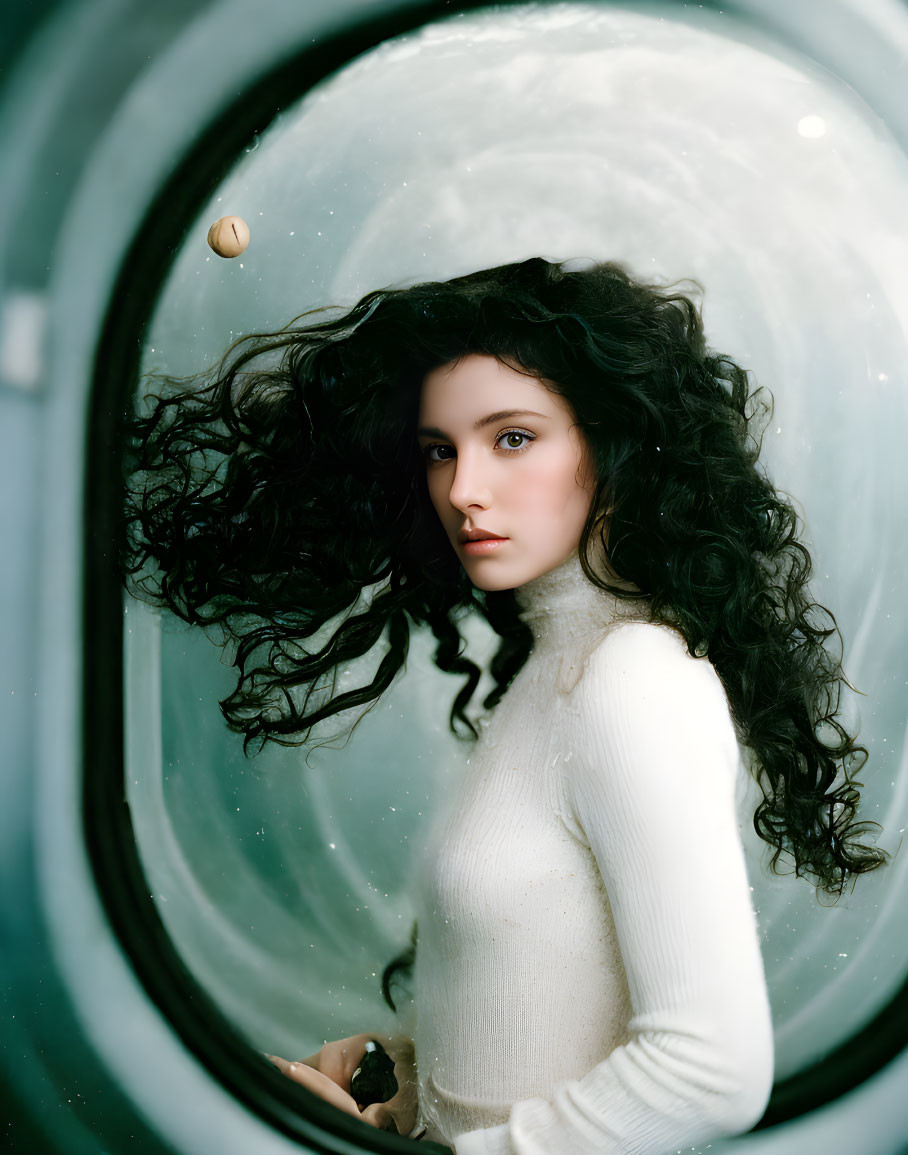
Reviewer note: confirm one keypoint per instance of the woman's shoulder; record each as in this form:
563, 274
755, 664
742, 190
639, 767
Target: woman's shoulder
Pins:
643, 699
637, 642
650, 662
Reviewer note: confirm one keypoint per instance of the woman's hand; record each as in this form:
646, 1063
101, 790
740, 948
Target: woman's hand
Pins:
328, 1073
317, 1083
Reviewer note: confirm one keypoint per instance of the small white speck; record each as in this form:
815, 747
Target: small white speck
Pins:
812, 127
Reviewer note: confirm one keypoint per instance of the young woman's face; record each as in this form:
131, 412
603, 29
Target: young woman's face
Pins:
506, 470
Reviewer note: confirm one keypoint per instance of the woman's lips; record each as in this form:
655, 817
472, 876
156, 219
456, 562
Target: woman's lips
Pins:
482, 546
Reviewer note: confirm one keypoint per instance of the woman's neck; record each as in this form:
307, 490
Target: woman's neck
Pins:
563, 605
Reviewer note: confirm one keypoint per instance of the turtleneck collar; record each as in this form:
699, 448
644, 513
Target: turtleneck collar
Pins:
563, 605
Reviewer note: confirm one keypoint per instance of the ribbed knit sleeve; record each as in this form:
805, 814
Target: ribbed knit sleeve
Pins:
652, 782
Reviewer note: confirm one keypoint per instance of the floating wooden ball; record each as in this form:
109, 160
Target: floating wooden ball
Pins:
229, 236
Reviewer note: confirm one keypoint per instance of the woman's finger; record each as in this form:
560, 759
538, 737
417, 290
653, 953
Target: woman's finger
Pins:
382, 1116
339, 1058
316, 1082
397, 1114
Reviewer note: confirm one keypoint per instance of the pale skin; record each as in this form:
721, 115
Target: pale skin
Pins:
504, 455
328, 1073
507, 474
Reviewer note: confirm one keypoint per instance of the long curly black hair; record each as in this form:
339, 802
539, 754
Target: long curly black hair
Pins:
283, 499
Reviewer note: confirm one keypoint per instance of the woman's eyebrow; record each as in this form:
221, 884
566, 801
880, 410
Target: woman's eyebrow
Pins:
501, 415
504, 414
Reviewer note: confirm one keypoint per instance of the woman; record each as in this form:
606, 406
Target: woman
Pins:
559, 451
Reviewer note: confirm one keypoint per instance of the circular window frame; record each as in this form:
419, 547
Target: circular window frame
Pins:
107, 826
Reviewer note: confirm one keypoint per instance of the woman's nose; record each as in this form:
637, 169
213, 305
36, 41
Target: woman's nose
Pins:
470, 489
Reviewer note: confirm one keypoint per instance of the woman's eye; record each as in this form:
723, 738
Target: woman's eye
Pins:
435, 452
514, 439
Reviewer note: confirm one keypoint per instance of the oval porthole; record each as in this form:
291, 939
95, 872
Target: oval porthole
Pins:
259, 899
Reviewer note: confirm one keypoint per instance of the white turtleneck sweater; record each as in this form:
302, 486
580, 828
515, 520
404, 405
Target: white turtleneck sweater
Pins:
588, 976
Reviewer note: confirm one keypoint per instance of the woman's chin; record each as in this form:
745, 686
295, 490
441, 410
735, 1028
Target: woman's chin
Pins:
491, 575
488, 577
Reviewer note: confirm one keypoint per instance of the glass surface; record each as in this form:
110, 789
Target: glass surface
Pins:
677, 143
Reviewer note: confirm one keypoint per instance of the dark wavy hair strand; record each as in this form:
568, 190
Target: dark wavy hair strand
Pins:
283, 501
